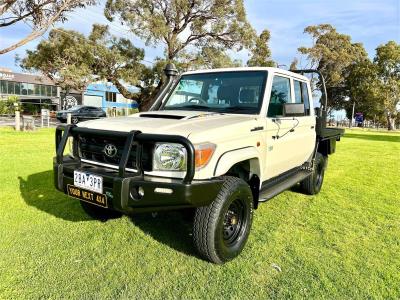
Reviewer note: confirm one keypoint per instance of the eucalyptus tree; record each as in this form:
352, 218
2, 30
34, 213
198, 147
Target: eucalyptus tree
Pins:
39, 15
332, 53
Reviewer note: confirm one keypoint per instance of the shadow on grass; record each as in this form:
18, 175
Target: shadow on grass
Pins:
373, 137
170, 228
173, 229
38, 191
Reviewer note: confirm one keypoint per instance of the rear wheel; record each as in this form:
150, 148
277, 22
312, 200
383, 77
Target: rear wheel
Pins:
99, 213
312, 184
221, 229
74, 120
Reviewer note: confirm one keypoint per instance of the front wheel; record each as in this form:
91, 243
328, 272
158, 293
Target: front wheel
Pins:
221, 229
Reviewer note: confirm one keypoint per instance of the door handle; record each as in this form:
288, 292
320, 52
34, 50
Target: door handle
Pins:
291, 130
312, 127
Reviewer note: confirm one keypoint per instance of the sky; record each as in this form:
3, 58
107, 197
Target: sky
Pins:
369, 22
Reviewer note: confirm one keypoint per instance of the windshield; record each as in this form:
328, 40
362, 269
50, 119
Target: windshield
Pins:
225, 92
75, 108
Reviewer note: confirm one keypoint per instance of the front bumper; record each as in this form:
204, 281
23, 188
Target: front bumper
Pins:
119, 185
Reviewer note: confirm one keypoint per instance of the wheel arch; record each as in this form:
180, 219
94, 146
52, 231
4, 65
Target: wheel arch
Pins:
243, 163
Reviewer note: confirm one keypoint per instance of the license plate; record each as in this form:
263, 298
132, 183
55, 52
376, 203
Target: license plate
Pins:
88, 196
88, 181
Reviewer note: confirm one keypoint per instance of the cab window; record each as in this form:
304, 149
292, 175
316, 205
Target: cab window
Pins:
301, 95
280, 94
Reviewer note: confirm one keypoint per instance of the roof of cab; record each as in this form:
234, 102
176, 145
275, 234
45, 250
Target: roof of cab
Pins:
269, 69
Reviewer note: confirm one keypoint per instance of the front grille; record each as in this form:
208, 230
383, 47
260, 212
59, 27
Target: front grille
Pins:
93, 148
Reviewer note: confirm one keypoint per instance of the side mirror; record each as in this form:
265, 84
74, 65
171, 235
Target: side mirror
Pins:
293, 109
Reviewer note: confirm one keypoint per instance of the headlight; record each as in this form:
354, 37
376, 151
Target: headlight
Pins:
169, 157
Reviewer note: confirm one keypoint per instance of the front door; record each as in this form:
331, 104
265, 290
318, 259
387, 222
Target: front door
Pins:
280, 141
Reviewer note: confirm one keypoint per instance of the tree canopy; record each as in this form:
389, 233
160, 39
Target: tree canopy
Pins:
73, 60
64, 58
185, 27
260, 53
332, 53
39, 15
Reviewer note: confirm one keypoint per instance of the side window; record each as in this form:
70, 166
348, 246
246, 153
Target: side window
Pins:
280, 94
306, 98
298, 97
301, 95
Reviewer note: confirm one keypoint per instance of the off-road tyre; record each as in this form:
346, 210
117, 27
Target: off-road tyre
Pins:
99, 213
312, 184
221, 229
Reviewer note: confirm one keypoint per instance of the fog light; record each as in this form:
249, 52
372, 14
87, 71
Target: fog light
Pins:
163, 191
137, 193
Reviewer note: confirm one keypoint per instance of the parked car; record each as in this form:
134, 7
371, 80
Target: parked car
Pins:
81, 113
218, 141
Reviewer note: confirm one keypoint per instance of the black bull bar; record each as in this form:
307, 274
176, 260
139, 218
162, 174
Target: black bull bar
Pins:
131, 138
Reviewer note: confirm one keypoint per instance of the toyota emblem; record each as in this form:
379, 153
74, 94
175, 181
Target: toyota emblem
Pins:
110, 150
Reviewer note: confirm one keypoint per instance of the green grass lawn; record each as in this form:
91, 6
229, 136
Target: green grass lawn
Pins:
343, 243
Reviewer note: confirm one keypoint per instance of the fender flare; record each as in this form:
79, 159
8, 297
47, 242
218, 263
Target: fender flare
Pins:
228, 159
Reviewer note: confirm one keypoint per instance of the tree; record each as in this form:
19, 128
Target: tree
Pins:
72, 61
65, 58
374, 86
332, 53
195, 33
363, 89
387, 61
181, 24
38, 14
261, 54
210, 58
116, 60
294, 64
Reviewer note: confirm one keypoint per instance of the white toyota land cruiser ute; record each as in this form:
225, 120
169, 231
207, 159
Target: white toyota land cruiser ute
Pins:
218, 141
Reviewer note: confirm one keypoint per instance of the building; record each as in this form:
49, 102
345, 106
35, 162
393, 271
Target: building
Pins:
30, 89
36, 92
108, 97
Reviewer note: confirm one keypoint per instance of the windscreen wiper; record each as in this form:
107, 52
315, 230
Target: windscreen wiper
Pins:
192, 106
238, 108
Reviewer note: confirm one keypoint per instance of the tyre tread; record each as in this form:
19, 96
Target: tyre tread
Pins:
206, 218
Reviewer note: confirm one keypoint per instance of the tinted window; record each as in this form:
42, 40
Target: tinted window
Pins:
37, 89
30, 88
111, 97
48, 90
3, 87
17, 88
24, 88
11, 87
280, 94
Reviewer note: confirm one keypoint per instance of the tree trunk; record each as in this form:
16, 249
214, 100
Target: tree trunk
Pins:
124, 91
390, 122
147, 101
